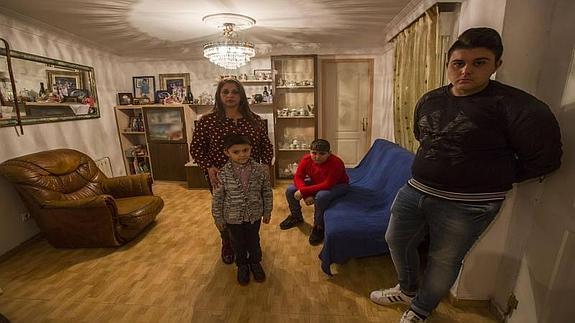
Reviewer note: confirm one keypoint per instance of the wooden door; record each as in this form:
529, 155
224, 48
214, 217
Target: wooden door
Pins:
347, 89
169, 160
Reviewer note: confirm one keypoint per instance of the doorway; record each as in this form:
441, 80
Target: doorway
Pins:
347, 100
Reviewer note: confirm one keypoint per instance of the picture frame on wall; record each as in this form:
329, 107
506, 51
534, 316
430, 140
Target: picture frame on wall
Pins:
144, 87
174, 81
176, 84
263, 74
64, 81
125, 98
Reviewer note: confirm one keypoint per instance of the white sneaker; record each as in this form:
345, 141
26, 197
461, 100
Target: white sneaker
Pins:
390, 296
411, 317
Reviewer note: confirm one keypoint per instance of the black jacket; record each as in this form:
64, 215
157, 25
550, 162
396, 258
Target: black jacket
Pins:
484, 142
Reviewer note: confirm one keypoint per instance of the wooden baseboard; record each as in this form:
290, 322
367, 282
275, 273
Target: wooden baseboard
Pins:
458, 302
478, 303
20, 247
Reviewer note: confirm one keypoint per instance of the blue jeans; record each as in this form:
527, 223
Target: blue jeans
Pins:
322, 200
453, 229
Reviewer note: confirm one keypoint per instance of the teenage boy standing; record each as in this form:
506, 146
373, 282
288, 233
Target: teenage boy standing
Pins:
477, 137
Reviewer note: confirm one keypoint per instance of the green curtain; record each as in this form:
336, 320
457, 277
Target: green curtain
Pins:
418, 69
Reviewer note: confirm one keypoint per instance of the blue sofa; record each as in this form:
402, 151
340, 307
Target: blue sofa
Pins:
355, 224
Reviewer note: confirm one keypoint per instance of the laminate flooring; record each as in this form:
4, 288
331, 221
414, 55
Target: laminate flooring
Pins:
173, 273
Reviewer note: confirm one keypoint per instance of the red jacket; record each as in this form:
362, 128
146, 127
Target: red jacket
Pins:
323, 176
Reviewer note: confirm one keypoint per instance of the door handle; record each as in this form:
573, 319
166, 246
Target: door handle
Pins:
364, 124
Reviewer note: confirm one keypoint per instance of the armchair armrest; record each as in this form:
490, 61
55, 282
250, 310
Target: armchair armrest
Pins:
87, 222
126, 186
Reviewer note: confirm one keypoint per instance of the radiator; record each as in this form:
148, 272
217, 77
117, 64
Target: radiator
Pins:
105, 166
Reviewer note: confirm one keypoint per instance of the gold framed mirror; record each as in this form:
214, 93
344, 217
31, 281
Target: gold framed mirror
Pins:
49, 90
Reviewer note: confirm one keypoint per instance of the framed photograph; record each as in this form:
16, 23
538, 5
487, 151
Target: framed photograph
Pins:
263, 74
63, 82
174, 82
144, 87
125, 98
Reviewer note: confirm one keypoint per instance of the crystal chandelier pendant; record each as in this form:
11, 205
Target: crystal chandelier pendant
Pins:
229, 52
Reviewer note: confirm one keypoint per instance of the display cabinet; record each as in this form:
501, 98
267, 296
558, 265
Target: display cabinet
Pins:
295, 105
133, 142
155, 138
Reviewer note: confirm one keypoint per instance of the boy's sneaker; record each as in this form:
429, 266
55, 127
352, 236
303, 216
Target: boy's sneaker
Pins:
243, 274
227, 252
290, 222
412, 317
316, 236
390, 296
258, 272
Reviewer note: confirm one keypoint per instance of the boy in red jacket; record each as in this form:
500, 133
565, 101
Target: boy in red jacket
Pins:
320, 177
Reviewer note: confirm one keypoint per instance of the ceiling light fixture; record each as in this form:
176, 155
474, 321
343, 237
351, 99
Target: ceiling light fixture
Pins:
229, 52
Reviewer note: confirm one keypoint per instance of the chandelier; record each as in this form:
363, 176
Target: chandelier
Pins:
229, 52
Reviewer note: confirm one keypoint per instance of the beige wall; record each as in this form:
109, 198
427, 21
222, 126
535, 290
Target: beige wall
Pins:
96, 137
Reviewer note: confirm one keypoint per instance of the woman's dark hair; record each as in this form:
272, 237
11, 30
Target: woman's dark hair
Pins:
244, 107
235, 139
479, 37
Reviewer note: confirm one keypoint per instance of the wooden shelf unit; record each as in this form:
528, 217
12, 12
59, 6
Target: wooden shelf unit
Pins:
157, 155
130, 138
294, 69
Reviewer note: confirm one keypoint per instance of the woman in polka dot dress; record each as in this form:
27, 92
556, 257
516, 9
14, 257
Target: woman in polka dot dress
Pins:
231, 115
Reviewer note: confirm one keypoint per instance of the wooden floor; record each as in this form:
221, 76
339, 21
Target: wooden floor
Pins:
173, 273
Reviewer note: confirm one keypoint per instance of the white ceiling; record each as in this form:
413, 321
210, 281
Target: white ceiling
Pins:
173, 29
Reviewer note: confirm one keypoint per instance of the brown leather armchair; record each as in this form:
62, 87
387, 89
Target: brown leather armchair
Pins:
76, 205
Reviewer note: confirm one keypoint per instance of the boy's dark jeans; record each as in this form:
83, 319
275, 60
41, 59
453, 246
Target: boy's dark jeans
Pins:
322, 201
245, 239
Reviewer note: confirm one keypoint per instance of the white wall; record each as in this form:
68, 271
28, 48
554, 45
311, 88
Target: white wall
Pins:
482, 13
95, 137
540, 35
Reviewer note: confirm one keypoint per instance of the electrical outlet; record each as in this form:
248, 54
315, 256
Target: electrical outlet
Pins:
25, 216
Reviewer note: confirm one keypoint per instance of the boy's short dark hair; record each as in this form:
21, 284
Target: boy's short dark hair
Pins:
479, 37
235, 139
320, 145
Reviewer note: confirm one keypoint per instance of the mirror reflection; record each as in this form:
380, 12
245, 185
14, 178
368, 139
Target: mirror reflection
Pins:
48, 90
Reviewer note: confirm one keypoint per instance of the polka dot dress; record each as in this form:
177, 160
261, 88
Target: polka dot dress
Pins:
207, 143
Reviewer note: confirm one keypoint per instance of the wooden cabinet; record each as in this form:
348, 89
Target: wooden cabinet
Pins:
295, 105
155, 138
169, 160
